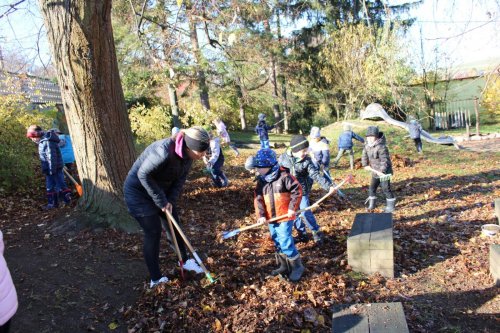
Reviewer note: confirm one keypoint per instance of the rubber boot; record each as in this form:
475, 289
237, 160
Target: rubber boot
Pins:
281, 260
302, 237
371, 202
318, 237
65, 195
296, 268
52, 201
391, 204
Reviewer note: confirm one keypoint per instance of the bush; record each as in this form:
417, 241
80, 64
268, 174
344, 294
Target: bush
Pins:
150, 124
19, 156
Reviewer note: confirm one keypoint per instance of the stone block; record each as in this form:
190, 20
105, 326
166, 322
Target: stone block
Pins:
495, 262
370, 244
373, 318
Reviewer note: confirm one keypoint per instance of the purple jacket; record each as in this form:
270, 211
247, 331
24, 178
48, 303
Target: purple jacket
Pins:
8, 296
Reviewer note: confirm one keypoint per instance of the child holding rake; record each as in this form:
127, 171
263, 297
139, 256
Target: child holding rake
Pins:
376, 158
278, 193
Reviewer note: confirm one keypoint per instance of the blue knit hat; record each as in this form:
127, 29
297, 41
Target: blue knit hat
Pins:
265, 158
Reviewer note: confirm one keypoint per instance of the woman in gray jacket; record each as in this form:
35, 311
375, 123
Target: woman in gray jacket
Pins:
153, 186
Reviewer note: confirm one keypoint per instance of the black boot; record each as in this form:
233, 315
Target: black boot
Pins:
391, 204
371, 202
65, 196
296, 267
318, 237
281, 260
302, 237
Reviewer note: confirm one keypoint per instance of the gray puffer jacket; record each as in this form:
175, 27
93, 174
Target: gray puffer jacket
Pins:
377, 156
414, 128
305, 171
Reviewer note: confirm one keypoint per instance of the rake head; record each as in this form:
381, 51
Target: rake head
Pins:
385, 177
229, 234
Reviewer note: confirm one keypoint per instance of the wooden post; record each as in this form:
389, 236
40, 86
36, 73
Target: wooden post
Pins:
476, 109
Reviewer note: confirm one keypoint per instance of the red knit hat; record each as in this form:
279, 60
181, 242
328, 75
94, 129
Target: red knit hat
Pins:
34, 131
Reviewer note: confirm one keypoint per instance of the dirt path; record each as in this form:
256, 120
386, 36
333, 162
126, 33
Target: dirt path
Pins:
72, 282
492, 145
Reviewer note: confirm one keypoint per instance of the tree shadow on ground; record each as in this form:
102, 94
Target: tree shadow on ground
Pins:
406, 188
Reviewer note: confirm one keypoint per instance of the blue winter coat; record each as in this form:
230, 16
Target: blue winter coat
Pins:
345, 139
157, 177
305, 171
262, 128
66, 149
50, 154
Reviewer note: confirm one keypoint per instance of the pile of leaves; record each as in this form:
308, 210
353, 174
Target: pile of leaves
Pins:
441, 257
439, 254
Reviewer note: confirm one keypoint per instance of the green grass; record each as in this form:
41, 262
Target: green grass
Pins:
251, 137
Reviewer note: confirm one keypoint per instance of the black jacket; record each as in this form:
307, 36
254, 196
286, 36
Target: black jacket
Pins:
156, 178
305, 171
377, 156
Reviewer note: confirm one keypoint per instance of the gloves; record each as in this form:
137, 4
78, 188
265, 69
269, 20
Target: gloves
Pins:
291, 214
261, 220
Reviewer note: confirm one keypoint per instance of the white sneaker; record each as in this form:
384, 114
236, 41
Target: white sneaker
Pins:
163, 279
192, 265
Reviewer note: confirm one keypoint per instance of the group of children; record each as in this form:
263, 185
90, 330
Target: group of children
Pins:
284, 184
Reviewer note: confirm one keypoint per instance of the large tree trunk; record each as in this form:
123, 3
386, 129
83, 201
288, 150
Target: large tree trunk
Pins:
241, 102
285, 103
174, 102
276, 107
81, 40
274, 83
200, 73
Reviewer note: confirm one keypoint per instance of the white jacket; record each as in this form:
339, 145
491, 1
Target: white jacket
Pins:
8, 296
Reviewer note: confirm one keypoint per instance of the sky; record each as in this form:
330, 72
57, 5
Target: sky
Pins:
460, 31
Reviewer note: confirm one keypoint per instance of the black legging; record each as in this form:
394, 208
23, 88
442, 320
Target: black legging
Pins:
418, 144
386, 187
152, 234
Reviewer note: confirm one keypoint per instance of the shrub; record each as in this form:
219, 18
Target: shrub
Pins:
150, 124
19, 155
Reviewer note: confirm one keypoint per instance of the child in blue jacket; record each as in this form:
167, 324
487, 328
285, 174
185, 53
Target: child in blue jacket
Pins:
297, 160
52, 165
345, 145
261, 129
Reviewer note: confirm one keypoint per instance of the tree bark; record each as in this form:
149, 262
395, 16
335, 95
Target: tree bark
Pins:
241, 102
174, 102
81, 41
274, 83
200, 73
285, 103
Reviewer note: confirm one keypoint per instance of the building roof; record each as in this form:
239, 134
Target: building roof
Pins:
39, 90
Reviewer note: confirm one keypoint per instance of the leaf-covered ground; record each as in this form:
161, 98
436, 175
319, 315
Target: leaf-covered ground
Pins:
96, 280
